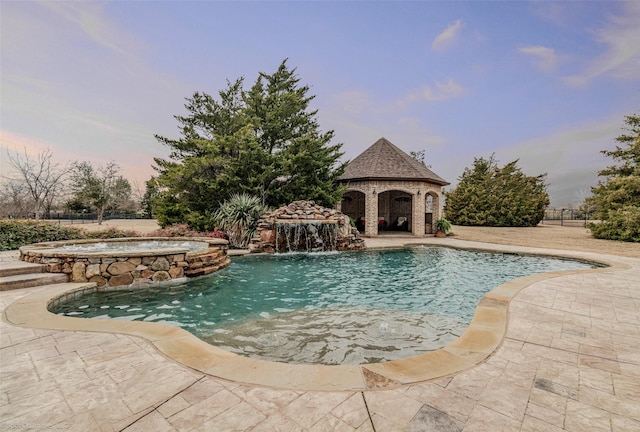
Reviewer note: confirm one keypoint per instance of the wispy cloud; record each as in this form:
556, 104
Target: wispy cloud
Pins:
441, 91
359, 103
558, 13
621, 59
90, 19
16, 142
353, 102
545, 57
358, 122
447, 37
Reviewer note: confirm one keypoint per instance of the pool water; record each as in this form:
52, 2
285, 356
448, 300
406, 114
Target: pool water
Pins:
327, 308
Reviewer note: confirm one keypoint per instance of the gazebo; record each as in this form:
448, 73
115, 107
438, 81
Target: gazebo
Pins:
388, 190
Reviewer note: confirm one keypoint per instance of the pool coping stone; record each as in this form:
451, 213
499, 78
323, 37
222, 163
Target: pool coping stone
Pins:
482, 338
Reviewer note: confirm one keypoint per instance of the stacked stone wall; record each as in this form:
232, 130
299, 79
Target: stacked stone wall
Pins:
108, 271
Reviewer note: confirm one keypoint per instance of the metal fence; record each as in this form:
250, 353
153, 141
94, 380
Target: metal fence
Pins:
566, 217
70, 218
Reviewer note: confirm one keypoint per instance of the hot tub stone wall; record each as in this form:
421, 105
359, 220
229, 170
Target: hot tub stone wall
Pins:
139, 270
206, 263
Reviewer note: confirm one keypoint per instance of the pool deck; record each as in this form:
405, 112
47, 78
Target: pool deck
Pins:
570, 360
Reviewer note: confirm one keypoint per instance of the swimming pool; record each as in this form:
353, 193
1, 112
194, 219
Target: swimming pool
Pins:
334, 308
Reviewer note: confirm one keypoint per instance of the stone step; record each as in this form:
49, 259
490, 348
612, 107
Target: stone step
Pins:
17, 267
31, 280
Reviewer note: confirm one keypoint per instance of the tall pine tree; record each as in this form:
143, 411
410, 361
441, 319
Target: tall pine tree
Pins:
265, 142
617, 198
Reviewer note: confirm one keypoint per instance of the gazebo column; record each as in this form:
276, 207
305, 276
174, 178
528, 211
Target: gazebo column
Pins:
417, 214
436, 208
371, 212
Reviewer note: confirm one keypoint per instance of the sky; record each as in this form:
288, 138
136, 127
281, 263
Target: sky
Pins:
546, 83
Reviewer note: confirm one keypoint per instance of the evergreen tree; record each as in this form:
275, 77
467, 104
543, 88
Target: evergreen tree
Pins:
491, 196
264, 142
194, 180
617, 198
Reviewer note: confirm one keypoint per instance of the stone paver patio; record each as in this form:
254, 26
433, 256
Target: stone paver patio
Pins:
570, 361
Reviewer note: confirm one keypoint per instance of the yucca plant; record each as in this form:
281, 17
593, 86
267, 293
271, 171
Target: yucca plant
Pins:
238, 217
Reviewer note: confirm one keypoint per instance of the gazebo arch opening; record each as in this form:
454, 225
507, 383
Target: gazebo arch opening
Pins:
395, 209
431, 211
353, 205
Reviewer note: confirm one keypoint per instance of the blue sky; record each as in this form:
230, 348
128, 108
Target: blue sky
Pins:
548, 83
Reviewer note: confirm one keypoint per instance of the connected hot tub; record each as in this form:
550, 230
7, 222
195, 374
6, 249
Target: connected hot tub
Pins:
130, 261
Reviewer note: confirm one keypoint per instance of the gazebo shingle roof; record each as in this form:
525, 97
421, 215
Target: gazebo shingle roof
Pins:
384, 161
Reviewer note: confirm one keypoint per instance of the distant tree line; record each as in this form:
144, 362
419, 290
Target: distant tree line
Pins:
37, 185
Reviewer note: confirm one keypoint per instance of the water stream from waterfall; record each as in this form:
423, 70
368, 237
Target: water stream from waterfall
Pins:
306, 236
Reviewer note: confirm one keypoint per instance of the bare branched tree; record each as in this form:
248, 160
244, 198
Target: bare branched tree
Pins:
102, 187
15, 200
138, 191
43, 177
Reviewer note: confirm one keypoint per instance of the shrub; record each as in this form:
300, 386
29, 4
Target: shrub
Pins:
218, 234
17, 233
183, 230
488, 195
238, 216
175, 230
110, 233
622, 224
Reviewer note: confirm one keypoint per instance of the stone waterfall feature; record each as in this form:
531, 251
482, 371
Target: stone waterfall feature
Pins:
309, 236
304, 226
